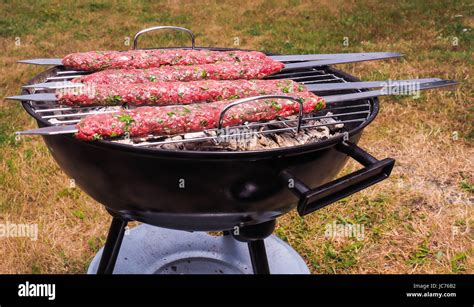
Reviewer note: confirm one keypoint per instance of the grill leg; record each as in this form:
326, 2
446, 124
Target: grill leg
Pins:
254, 236
258, 256
112, 246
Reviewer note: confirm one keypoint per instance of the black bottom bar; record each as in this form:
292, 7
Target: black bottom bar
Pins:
287, 290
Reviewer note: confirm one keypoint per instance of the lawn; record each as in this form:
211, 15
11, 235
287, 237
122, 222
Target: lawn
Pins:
420, 220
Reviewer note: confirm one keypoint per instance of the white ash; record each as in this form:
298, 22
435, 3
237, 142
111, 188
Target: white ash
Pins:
254, 136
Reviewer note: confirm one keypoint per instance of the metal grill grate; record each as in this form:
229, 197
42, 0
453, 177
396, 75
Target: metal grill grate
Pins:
335, 115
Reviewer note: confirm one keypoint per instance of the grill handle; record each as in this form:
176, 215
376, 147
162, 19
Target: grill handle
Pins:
248, 99
311, 200
189, 32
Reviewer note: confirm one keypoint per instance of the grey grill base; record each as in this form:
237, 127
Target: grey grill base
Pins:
152, 250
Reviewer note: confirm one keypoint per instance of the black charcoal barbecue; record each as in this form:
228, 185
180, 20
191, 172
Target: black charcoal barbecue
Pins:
209, 181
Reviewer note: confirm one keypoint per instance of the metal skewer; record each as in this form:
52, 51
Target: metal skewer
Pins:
410, 84
68, 129
280, 58
288, 68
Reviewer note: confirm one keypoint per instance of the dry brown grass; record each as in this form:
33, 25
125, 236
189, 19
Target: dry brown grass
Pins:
409, 219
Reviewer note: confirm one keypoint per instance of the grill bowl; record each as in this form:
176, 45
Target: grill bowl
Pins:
196, 190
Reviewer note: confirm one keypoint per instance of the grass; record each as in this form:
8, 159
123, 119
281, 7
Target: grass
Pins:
467, 186
419, 256
420, 220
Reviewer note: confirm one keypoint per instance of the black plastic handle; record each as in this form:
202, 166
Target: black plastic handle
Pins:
314, 199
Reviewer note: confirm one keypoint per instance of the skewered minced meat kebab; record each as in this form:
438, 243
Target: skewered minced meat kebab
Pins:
169, 93
218, 71
101, 60
170, 120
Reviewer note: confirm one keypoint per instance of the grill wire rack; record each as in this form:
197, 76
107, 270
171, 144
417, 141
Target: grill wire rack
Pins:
334, 116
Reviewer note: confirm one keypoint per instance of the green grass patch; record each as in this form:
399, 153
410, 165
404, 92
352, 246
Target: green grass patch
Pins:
27, 153
95, 244
6, 136
341, 258
466, 186
79, 214
458, 263
36, 268
71, 193
281, 233
99, 6
420, 255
